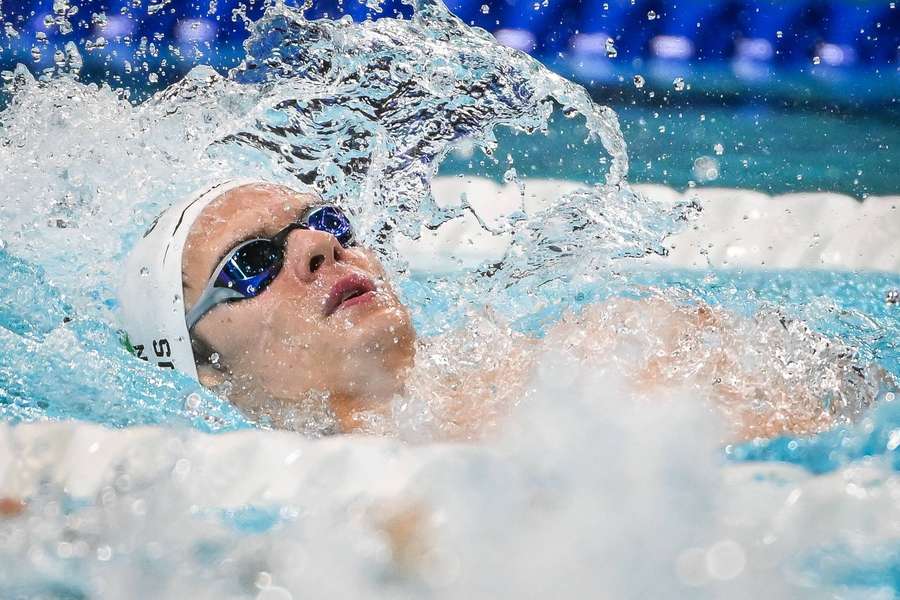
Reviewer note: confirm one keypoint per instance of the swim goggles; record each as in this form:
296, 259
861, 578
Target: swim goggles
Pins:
252, 265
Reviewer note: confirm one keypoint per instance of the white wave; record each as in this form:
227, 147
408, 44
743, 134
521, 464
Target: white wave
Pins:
591, 491
735, 228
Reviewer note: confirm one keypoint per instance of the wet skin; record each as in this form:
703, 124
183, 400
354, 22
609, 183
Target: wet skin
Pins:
301, 335
298, 335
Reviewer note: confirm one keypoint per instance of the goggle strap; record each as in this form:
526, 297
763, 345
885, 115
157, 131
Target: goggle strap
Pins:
208, 299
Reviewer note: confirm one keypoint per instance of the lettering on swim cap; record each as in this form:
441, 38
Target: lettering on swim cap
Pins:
161, 349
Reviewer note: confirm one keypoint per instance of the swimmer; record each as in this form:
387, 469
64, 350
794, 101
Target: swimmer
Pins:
263, 294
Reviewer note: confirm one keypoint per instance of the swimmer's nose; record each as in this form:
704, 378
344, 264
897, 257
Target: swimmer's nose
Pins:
308, 251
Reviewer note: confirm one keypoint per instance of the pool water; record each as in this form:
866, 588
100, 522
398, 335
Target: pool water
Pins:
757, 146
140, 483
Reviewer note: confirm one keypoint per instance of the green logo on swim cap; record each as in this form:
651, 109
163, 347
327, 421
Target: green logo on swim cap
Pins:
126, 342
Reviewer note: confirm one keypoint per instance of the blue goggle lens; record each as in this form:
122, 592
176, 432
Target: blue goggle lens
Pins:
253, 265
332, 220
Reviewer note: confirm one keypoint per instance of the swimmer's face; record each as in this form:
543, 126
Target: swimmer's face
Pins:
297, 335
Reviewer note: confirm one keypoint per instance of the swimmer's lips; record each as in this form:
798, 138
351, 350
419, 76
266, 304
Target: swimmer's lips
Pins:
349, 291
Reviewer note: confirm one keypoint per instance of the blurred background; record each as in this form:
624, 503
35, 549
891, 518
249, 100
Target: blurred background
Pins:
777, 95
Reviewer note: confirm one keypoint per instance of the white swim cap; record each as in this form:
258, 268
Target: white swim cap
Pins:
151, 296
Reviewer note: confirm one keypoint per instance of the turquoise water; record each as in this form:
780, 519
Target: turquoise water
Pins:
756, 147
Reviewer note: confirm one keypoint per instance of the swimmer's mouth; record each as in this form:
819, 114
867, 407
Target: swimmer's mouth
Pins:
348, 291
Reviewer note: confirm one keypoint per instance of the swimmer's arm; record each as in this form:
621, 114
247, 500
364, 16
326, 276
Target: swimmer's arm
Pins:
723, 358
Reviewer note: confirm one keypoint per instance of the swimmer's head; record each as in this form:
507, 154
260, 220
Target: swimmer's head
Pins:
326, 319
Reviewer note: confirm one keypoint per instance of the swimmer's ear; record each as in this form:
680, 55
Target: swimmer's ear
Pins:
209, 376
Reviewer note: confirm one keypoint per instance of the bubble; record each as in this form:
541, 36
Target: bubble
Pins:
779, 34
485, 9
64, 550
263, 580
104, 553
678, 84
36, 54
651, 15
816, 60
638, 81
725, 560
719, 149
706, 168
893, 440
892, 297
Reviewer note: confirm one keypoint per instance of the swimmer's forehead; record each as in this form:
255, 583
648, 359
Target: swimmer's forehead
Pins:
252, 208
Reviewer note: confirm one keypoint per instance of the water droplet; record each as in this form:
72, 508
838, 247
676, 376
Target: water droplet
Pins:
638, 81
485, 9
892, 297
679, 84
192, 402
651, 15
611, 51
719, 149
